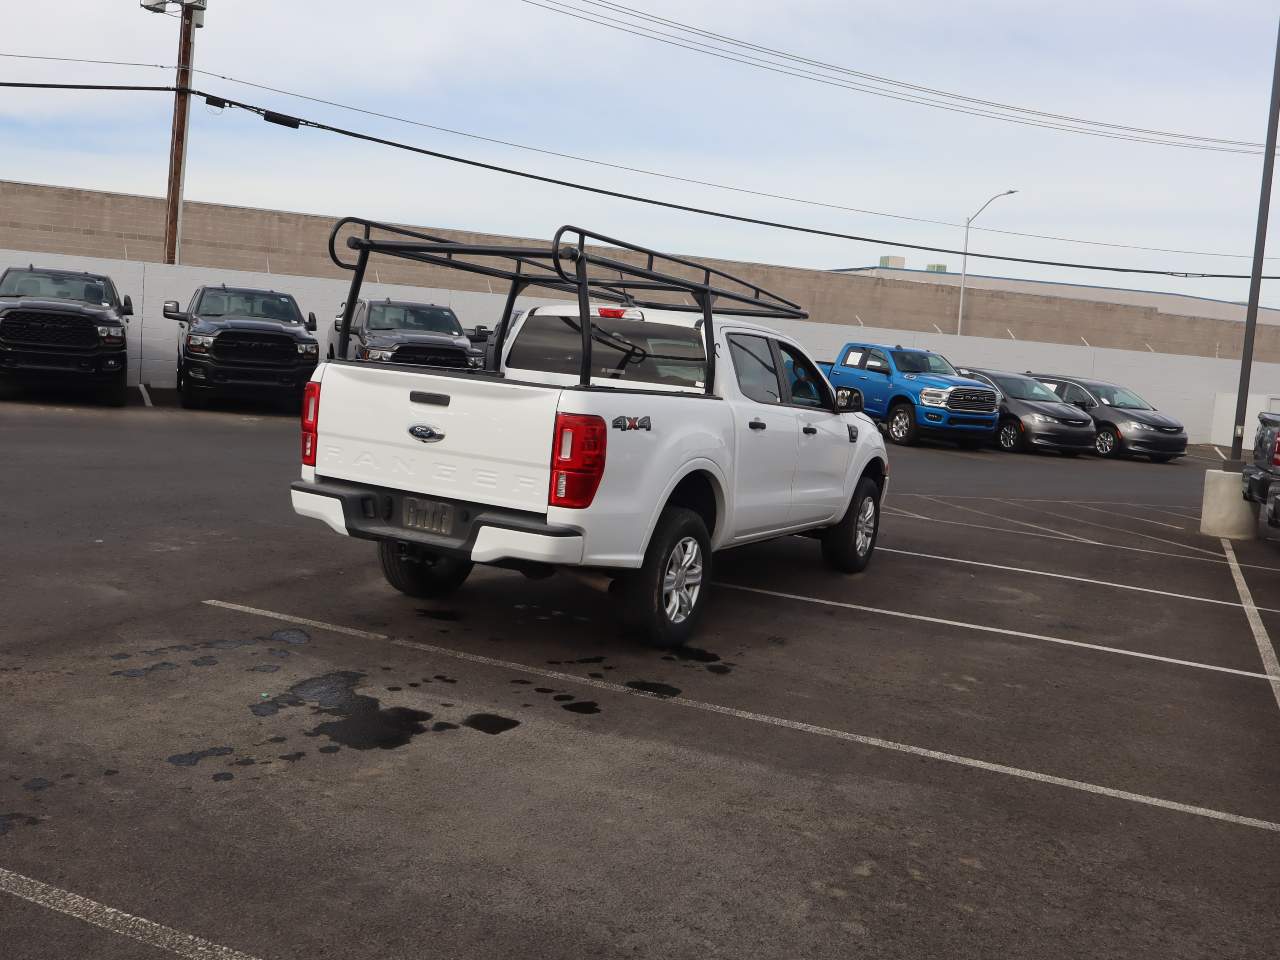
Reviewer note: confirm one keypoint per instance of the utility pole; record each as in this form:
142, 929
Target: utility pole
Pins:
192, 18
1236, 463
964, 260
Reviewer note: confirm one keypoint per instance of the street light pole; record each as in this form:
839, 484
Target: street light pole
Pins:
1255, 278
964, 261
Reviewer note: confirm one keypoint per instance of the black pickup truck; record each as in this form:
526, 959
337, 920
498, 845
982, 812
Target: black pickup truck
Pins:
1261, 478
241, 342
64, 327
399, 331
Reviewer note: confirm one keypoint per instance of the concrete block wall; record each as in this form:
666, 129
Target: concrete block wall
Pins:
1184, 386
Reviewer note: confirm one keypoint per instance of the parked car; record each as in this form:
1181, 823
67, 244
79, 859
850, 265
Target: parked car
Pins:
1033, 417
398, 331
1261, 479
59, 326
240, 342
1126, 424
632, 440
916, 393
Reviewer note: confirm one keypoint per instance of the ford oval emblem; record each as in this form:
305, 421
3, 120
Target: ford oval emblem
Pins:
426, 433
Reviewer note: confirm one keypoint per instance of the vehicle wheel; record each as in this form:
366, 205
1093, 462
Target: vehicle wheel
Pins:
423, 575
187, 395
1009, 436
902, 424
1106, 443
331, 351
116, 394
664, 599
1162, 457
847, 547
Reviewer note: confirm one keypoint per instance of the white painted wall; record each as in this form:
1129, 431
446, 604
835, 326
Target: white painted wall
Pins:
1184, 387
1224, 414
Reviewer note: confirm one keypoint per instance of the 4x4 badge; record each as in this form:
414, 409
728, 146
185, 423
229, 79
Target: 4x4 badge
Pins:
632, 423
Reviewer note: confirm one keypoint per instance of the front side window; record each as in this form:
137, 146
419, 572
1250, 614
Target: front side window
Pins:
915, 361
803, 380
52, 285
250, 305
632, 351
1120, 397
877, 362
1073, 394
413, 318
753, 363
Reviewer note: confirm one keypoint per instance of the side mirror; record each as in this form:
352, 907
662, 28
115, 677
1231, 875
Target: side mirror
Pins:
172, 312
126, 308
311, 322
848, 400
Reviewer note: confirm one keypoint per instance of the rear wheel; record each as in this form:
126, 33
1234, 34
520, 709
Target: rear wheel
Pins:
1106, 443
902, 424
421, 574
847, 547
663, 600
1009, 436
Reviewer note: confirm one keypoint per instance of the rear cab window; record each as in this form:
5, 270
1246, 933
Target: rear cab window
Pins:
628, 350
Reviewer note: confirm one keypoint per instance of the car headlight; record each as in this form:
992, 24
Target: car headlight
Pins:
933, 397
378, 354
111, 334
199, 343
1041, 418
1135, 425
309, 349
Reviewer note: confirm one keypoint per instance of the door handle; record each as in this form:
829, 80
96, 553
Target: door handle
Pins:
757, 424
810, 431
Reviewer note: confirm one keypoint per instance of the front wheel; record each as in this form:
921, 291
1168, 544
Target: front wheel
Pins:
847, 547
423, 575
663, 600
1106, 443
1009, 436
902, 424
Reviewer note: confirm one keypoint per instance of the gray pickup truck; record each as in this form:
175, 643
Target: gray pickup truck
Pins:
1261, 478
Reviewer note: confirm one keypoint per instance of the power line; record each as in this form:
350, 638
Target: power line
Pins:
652, 173
805, 74
719, 37
296, 122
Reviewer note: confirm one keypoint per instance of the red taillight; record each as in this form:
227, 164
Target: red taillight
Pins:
577, 460
310, 418
1275, 454
615, 313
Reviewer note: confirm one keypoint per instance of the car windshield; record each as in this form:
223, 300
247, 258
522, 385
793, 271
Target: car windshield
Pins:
57, 286
251, 304
407, 316
1110, 396
623, 349
1024, 388
914, 361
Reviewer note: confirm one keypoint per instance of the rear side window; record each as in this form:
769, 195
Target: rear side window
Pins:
633, 351
853, 357
757, 373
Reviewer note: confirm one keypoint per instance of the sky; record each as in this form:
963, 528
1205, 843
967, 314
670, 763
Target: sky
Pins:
516, 71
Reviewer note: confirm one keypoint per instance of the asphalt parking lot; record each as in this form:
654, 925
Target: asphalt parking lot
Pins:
1039, 726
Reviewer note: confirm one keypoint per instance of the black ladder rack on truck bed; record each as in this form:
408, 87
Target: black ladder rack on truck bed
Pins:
649, 281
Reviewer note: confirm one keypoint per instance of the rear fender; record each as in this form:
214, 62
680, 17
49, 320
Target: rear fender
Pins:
719, 485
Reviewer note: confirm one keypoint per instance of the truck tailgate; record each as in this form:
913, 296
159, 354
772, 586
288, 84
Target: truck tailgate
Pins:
477, 439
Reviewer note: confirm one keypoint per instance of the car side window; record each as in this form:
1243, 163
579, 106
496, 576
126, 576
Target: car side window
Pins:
877, 362
853, 357
754, 366
804, 384
1073, 394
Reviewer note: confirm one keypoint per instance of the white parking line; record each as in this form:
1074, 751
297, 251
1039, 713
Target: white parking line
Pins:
146, 397
1129, 516
797, 725
1186, 514
1263, 639
116, 921
1219, 452
1114, 529
1021, 523
1067, 576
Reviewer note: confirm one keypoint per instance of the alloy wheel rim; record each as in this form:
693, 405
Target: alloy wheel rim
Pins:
865, 527
1104, 442
899, 426
1008, 436
682, 582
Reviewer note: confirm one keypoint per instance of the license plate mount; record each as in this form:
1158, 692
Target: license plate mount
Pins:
429, 516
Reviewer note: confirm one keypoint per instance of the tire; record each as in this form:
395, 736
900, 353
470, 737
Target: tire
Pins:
1163, 457
188, 396
424, 576
1106, 444
902, 425
116, 393
847, 547
1009, 436
331, 351
662, 602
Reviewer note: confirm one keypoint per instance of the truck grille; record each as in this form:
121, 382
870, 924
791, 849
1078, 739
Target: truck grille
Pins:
977, 401
431, 356
48, 329
243, 347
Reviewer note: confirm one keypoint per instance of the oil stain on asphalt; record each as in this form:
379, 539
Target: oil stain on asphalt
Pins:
363, 723
191, 759
10, 820
652, 686
490, 723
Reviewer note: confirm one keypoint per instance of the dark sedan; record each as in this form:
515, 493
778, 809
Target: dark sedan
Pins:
1126, 423
1033, 417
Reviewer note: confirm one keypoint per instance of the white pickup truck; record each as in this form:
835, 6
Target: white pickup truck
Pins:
641, 462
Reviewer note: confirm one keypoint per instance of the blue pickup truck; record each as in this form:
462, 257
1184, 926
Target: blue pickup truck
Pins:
916, 393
